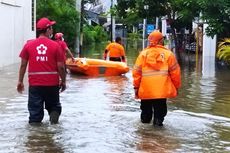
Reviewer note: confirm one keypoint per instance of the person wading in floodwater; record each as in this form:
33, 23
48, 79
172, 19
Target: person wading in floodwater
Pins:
115, 51
46, 73
156, 76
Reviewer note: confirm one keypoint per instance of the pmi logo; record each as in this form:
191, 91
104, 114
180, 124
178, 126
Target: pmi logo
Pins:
41, 53
41, 49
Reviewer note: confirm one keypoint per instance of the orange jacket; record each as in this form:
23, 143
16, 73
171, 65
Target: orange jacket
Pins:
156, 73
115, 50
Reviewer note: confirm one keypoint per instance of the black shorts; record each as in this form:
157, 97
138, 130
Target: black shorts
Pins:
118, 59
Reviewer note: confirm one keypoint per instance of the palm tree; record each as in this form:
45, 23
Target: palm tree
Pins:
223, 52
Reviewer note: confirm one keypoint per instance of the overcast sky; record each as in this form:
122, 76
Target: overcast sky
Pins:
107, 3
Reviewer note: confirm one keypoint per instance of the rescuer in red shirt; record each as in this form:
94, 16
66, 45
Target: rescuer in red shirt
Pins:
46, 73
60, 40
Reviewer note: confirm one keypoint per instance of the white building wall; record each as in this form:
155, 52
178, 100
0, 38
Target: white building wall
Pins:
209, 44
164, 27
209, 54
15, 29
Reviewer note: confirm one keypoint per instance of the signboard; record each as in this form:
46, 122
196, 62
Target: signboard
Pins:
150, 28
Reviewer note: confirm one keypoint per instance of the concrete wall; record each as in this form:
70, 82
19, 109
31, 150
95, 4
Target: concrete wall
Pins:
209, 54
164, 27
15, 28
209, 44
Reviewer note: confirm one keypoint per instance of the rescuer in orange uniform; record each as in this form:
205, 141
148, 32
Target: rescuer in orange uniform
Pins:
115, 51
156, 77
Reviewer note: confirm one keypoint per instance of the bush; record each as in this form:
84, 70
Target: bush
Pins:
92, 34
223, 52
134, 36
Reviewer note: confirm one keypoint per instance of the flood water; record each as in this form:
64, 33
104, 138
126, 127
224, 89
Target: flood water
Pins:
101, 115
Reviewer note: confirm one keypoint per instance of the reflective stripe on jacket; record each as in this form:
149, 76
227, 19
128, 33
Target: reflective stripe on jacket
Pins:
35, 73
156, 73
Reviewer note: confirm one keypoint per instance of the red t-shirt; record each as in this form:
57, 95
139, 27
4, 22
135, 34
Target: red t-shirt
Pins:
43, 55
63, 46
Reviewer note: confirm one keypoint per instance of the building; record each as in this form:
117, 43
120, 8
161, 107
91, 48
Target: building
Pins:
17, 25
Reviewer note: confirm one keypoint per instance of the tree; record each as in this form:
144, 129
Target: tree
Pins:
64, 13
216, 14
180, 13
133, 12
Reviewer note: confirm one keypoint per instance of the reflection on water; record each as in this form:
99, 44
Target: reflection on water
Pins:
101, 115
41, 138
159, 140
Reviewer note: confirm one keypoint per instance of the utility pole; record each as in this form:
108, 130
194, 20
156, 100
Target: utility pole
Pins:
81, 27
78, 8
146, 7
143, 34
111, 22
157, 23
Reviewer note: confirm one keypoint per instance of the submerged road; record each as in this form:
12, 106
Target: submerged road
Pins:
101, 115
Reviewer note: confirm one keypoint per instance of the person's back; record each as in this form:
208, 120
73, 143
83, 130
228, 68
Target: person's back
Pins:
42, 56
115, 51
65, 49
156, 77
46, 73
155, 67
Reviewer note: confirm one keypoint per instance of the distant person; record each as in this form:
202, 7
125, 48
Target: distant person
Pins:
60, 40
156, 77
198, 34
115, 51
46, 73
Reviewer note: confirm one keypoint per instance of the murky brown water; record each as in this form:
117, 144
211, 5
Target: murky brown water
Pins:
101, 115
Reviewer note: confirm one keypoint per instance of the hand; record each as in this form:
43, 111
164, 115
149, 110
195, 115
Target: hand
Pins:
62, 86
73, 59
136, 93
20, 87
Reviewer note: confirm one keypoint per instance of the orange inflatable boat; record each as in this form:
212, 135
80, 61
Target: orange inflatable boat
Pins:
96, 67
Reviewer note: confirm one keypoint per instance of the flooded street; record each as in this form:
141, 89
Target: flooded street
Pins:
101, 115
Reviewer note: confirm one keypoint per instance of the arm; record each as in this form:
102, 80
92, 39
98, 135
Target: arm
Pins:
61, 68
106, 51
22, 70
105, 54
67, 50
62, 74
174, 71
137, 73
123, 54
123, 59
70, 54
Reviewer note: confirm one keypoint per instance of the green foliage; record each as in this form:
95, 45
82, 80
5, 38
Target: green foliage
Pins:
134, 36
88, 35
181, 13
64, 13
216, 14
133, 39
92, 34
223, 51
133, 11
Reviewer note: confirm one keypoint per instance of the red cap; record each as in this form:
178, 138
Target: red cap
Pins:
44, 23
58, 36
